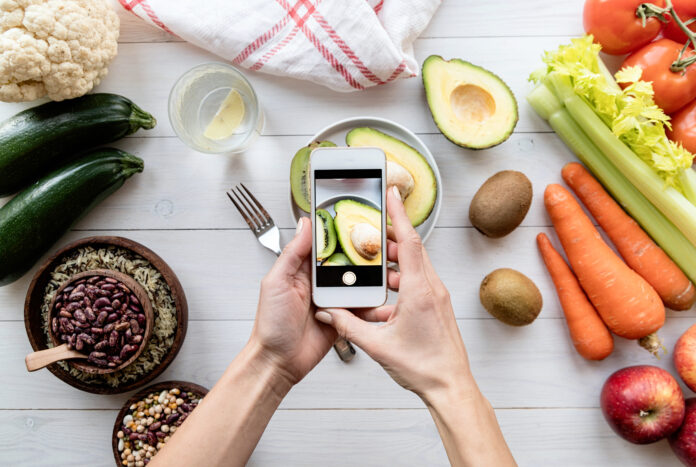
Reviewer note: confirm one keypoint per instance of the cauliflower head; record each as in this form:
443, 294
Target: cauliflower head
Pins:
55, 48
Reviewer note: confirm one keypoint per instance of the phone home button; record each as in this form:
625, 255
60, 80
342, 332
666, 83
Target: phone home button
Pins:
349, 278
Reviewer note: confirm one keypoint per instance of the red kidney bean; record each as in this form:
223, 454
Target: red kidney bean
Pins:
89, 313
155, 426
136, 339
122, 326
101, 345
102, 302
151, 439
116, 304
112, 317
171, 418
113, 339
109, 327
161, 434
80, 315
101, 317
133, 436
135, 327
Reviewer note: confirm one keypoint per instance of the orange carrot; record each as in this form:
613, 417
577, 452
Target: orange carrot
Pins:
590, 335
629, 306
634, 245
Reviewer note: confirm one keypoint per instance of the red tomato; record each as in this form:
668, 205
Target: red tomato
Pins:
686, 9
672, 90
684, 127
615, 26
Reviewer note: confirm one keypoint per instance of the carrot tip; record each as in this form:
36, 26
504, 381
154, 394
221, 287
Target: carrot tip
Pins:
653, 344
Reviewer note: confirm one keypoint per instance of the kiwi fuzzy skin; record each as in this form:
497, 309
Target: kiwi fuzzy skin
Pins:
511, 297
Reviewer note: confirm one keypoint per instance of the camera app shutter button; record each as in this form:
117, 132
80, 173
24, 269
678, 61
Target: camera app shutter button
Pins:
349, 278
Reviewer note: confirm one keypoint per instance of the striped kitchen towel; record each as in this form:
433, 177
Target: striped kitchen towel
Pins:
346, 45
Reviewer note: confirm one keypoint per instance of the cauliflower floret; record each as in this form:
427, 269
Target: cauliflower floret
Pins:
55, 48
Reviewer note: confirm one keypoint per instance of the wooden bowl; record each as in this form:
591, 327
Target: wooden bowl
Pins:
33, 322
134, 287
159, 387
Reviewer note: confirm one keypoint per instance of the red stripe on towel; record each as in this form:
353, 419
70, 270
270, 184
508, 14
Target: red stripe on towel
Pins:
249, 49
328, 56
277, 48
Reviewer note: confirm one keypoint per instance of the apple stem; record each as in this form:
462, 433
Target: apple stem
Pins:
653, 344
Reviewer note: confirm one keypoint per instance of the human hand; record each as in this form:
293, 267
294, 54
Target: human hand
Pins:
419, 344
284, 330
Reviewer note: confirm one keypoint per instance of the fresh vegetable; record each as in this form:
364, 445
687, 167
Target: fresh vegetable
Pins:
616, 26
673, 88
299, 174
684, 127
642, 404
501, 203
421, 200
629, 306
648, 174
55, 48
634, 245
685, 357
683, 441
38, 216
686, 9
39, 139
471, 106
511, 297
590, 335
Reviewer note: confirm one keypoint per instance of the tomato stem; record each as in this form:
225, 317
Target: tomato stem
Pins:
650, 10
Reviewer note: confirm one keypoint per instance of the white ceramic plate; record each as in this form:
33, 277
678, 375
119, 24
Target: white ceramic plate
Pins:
336, 133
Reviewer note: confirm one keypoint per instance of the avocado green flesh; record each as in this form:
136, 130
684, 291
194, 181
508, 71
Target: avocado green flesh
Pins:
471, 106
299, 174
419, 204
325, 234
337, 259
348, 214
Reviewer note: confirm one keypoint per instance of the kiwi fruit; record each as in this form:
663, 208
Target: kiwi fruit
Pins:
501, 203
337, 259
299, 174
511, 297
325, 234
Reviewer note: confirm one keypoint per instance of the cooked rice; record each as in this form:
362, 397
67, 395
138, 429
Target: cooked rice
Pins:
128, 262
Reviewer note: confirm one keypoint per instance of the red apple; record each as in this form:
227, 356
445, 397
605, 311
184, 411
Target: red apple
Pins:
642, 404
685, 357
683, 441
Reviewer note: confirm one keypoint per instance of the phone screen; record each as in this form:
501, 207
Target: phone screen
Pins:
348, 223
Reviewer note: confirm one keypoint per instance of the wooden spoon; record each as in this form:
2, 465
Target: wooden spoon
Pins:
37, 360
42, 358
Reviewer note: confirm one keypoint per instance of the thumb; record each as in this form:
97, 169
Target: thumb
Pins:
349, 326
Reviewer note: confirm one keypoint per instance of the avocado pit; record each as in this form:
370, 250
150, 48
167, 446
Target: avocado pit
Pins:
366, 240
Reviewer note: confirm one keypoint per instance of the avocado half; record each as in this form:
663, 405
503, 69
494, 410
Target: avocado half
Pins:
299, 174
325, 234
420, 202
471, 106
337, 259
348, 214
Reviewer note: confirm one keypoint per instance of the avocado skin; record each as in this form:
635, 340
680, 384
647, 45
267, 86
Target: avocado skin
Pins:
299, 173
504, 137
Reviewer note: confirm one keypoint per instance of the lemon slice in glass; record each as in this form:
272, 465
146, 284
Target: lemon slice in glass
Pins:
227, 118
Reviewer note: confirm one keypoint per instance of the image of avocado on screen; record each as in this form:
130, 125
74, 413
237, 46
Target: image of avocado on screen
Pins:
348, 221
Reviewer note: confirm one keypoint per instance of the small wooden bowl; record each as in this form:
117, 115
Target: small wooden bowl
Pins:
134, 287
33, 321
159, 387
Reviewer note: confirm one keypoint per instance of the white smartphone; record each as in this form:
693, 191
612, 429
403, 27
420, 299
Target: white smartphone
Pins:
349, 236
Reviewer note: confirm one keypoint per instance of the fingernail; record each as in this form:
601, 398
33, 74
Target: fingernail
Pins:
397, 195
300, 224
323, 316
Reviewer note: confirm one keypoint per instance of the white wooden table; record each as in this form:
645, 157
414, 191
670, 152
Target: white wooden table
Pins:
545, 395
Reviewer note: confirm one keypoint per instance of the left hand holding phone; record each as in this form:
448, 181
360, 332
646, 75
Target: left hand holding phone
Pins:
285, 329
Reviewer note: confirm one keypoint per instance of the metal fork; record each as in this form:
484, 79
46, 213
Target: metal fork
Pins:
267, 233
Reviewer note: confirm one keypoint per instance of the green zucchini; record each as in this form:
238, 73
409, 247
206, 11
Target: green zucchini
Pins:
40, 139
39, 215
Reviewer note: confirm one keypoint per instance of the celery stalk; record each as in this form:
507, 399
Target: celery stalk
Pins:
665, 234
688, 182
665, 198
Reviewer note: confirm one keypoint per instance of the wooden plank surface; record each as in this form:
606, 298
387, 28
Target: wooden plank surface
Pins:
545, 395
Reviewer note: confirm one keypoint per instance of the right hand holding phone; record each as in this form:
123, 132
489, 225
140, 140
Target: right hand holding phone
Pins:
419, 344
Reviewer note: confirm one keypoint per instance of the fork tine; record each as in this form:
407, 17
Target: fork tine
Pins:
253, 213
259, 205
254, 206
241, 211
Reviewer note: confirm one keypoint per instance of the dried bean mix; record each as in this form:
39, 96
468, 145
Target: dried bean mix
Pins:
100, 317
150, 422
